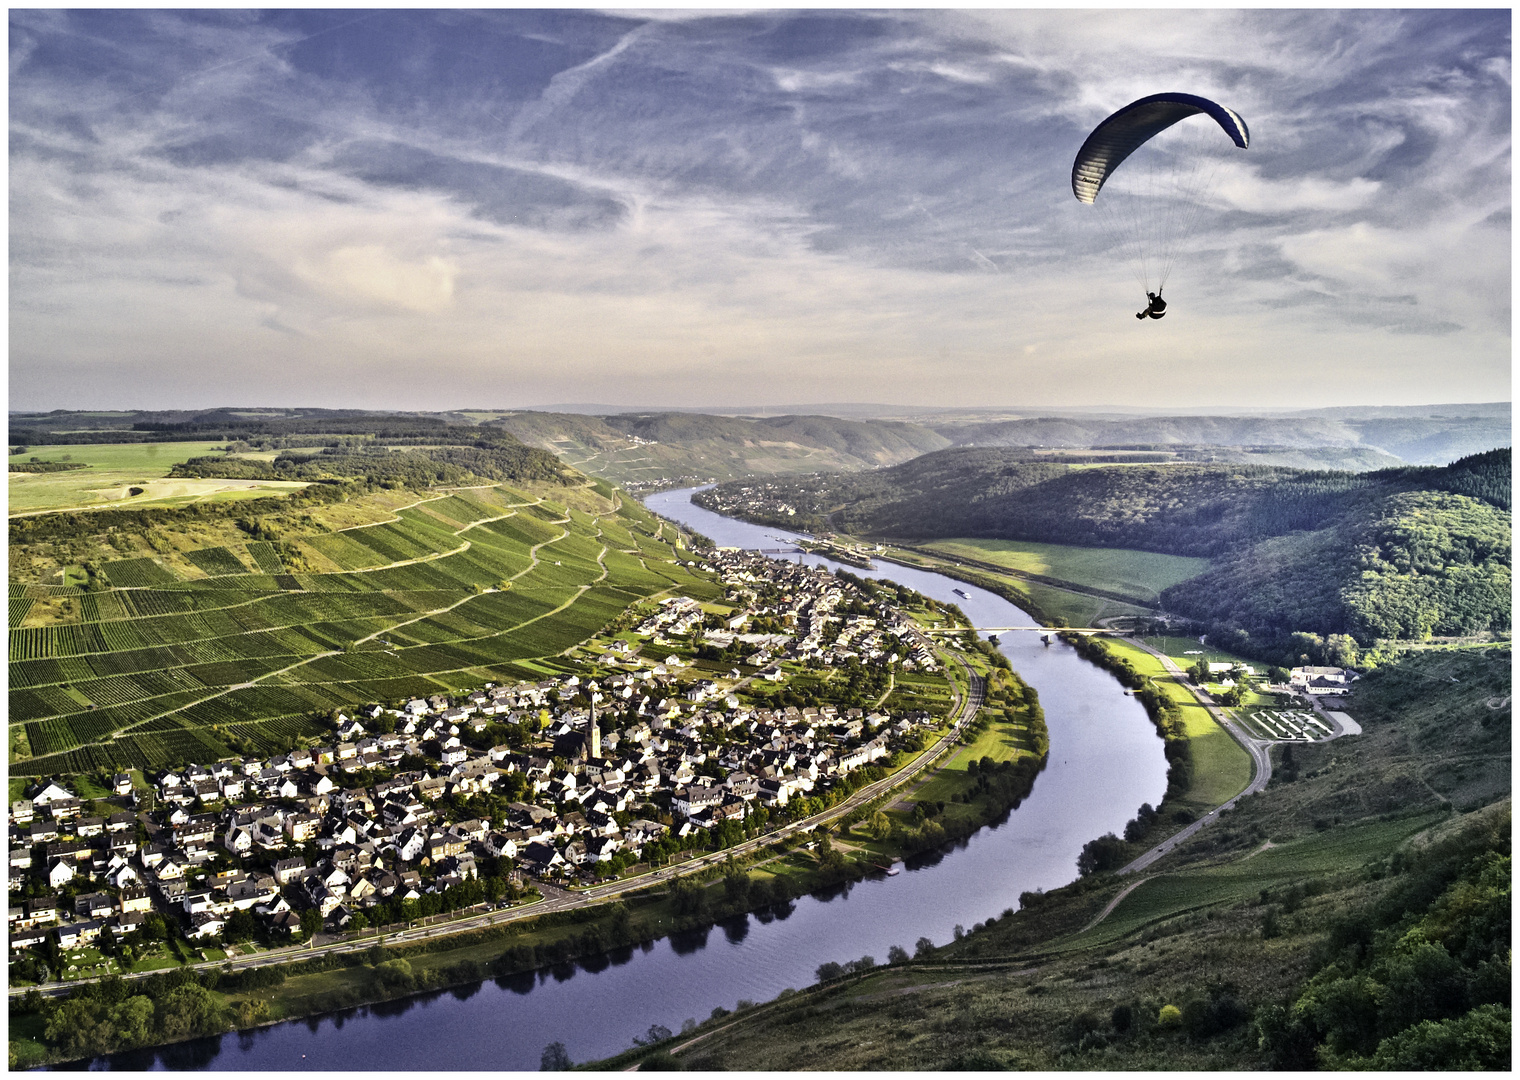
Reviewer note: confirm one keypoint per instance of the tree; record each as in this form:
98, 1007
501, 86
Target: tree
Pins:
897, 955
656, 1033
1100, 855
311, 921
736, 887
555, 1058
240, 926
829, 970
923, 949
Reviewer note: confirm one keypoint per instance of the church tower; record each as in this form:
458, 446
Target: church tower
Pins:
593, 743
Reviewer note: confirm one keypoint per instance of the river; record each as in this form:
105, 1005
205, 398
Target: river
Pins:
1105, 760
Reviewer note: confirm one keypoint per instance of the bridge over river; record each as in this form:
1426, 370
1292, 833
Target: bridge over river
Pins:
1035, 629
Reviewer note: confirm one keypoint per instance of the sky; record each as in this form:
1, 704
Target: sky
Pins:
514, 208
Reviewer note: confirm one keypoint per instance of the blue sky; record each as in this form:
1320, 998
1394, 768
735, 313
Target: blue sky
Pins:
424, 209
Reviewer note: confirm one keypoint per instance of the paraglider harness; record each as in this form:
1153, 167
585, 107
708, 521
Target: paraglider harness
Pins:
1155, 309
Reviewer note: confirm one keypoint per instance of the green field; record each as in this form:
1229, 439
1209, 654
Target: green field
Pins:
1075, 608
1221, 768
115, 468
1138, 574
197, 654
1179, 648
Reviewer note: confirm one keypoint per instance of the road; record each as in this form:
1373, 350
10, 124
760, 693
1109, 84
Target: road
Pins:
557, 899
1261, 764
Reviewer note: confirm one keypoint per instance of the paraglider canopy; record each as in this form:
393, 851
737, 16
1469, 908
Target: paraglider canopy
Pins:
1126, 130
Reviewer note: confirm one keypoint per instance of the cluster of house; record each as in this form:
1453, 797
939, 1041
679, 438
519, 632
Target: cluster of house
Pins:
808, 598
614, 762
747, 500
52, 837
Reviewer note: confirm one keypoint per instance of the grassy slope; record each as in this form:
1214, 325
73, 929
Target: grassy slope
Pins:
160, 655
1037, 991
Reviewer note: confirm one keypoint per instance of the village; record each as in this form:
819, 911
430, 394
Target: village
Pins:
672, 739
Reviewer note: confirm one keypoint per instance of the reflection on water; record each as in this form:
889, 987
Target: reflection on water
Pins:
1105, 761
521, 982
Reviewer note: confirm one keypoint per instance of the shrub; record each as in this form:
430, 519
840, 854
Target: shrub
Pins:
1169, 1017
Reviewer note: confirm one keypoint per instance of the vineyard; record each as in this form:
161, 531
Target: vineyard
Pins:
155, 665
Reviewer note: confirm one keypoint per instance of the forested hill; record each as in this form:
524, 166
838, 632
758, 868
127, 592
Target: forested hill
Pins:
1202, 510
1393, 554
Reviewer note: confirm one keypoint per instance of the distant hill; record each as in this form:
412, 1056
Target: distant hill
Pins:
1432, 439
1396, 553
644, 450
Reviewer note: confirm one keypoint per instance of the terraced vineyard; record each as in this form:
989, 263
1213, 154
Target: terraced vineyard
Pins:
241, 647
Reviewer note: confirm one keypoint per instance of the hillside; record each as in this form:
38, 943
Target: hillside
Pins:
1397, 553
1443, 435
1356, 913
663, 449
1410, 566
144, 636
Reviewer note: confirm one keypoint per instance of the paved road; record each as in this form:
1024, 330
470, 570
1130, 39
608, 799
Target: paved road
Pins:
1261, 764
557, 899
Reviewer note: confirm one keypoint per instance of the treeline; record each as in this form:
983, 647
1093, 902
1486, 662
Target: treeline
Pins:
68, 525
1486, 476
114, 1014
1418, 979
1200, 510
35, 466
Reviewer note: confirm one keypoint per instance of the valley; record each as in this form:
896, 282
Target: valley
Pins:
398, 558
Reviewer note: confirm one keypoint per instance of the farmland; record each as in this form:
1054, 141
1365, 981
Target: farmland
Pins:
182, 652
115, 470
1141, 575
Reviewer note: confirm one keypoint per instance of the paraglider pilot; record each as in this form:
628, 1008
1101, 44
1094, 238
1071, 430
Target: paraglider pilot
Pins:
1155, 309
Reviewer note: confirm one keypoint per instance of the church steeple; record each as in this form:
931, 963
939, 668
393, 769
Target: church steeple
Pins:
592, 747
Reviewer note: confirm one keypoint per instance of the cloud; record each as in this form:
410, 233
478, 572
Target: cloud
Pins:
1243, 188
368, 272
721, 206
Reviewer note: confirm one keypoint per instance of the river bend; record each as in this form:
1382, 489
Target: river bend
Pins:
1105, 760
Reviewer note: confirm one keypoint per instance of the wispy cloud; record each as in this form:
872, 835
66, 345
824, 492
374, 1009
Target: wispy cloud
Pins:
436, 208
